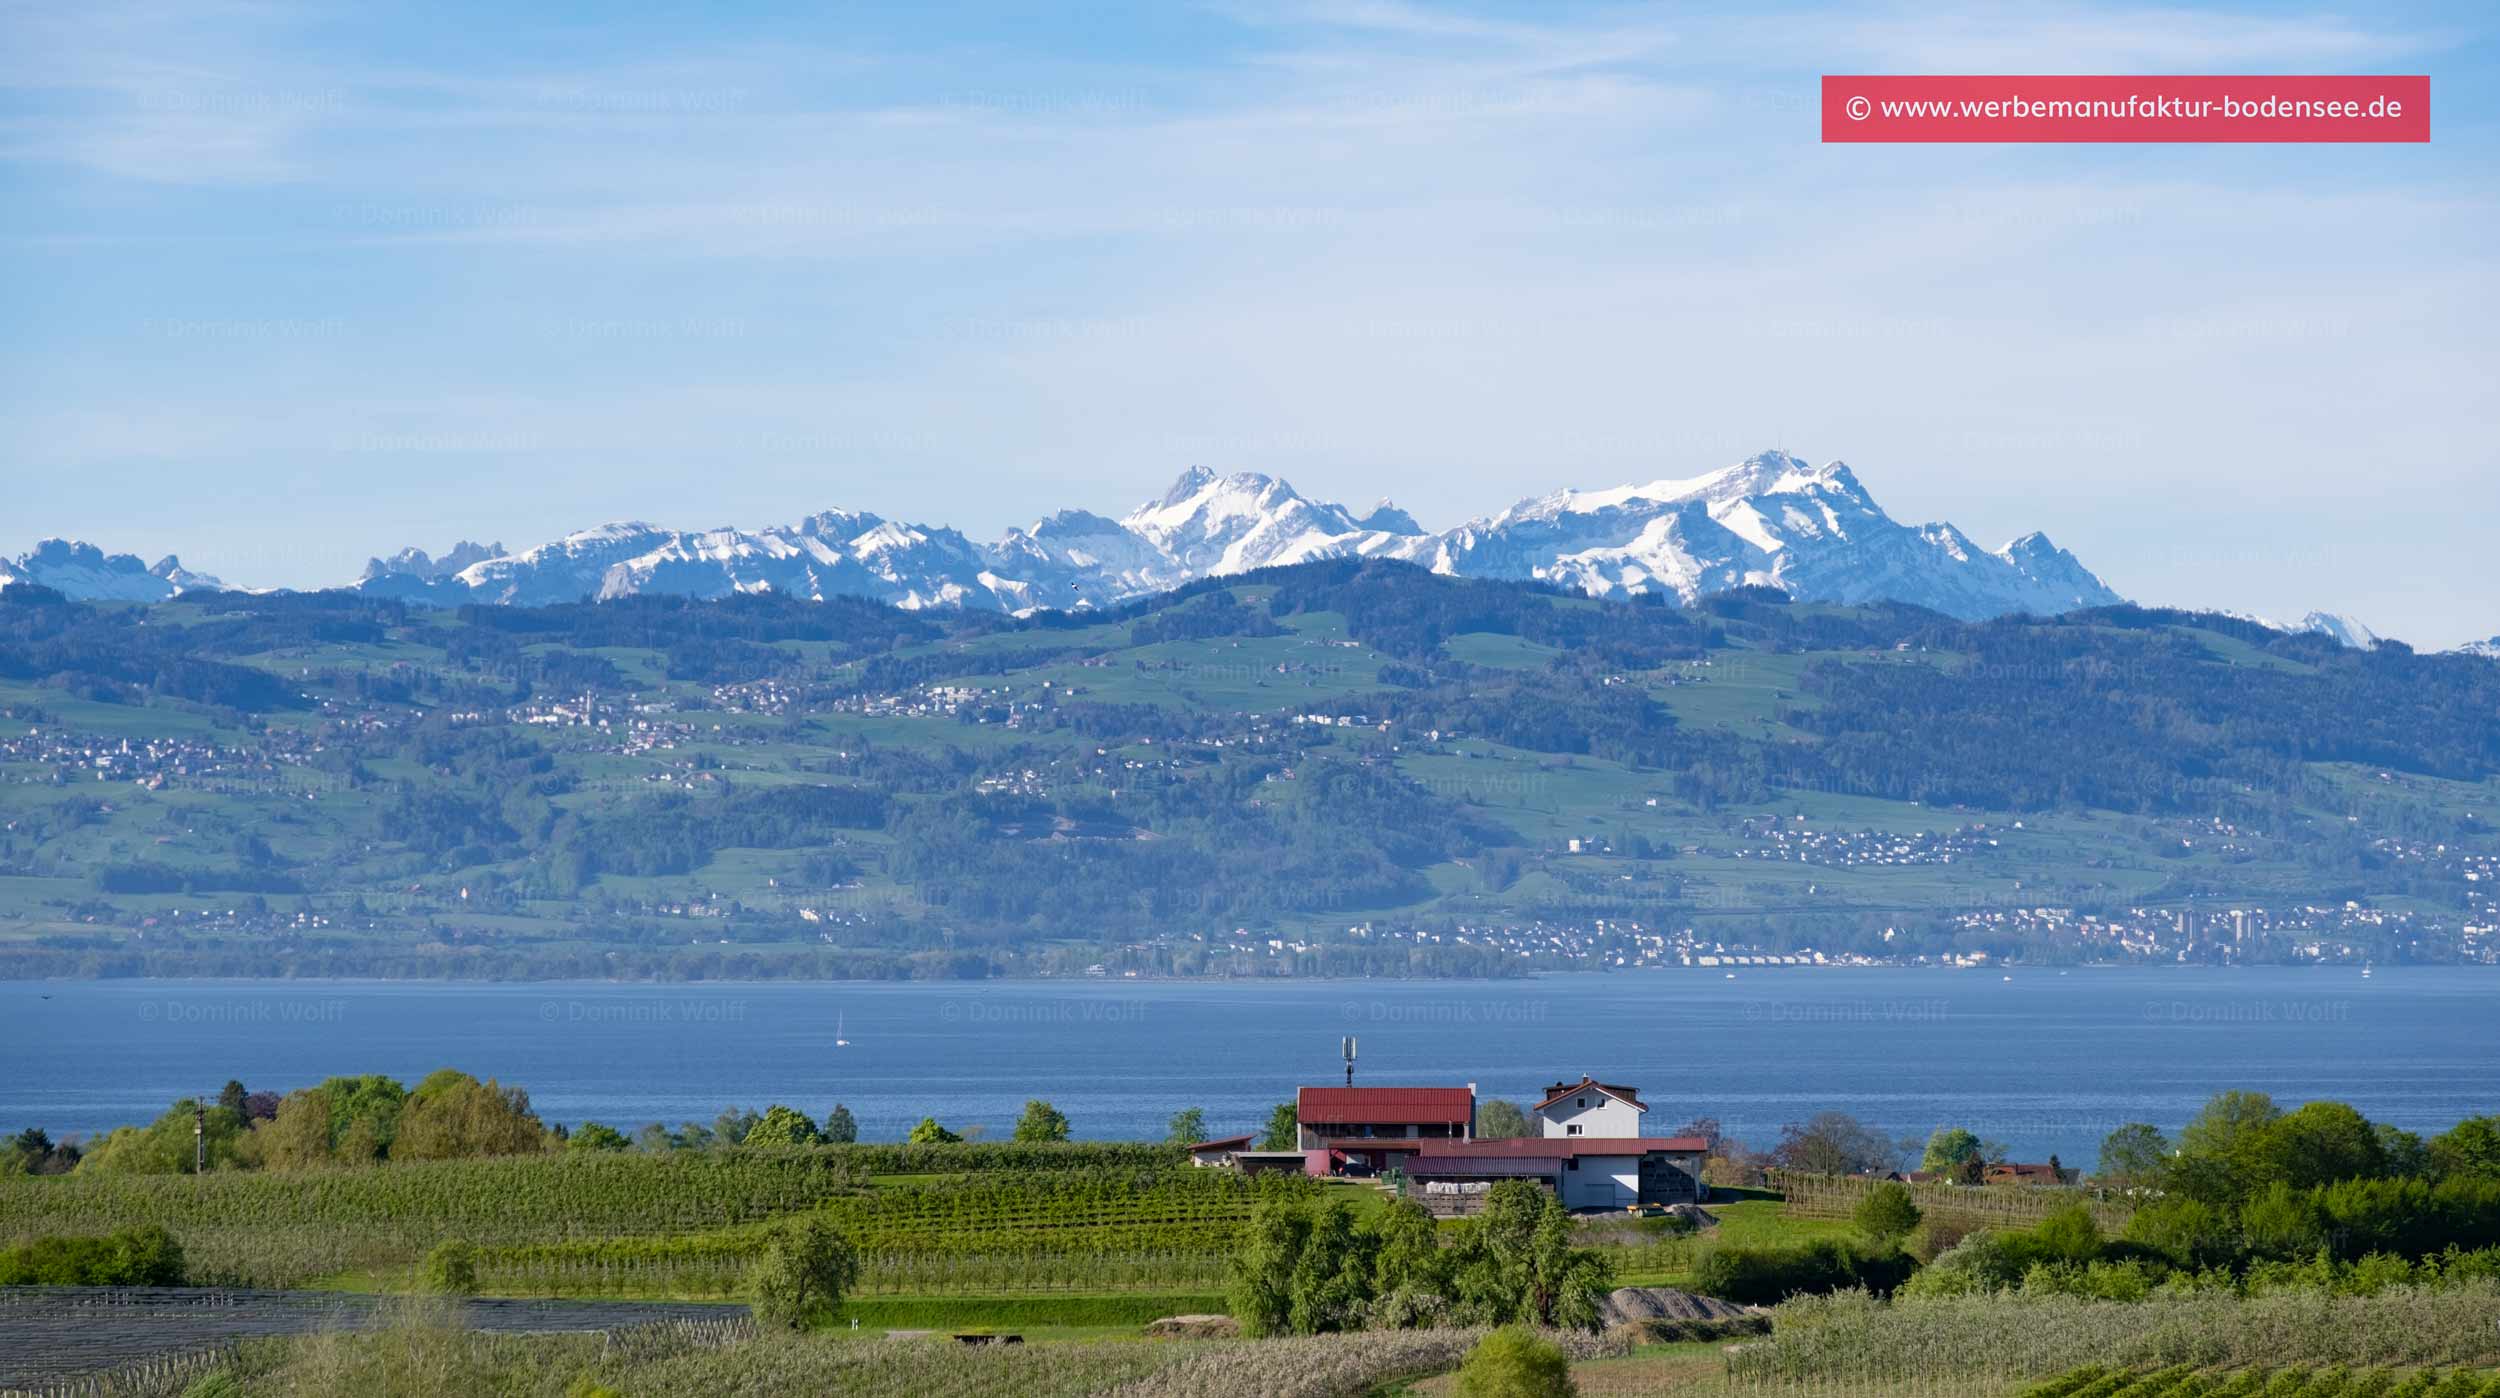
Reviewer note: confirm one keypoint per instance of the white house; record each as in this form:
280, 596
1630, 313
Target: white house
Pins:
1589, 1108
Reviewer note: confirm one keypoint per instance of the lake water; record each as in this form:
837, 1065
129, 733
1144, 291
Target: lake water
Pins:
2044, 1061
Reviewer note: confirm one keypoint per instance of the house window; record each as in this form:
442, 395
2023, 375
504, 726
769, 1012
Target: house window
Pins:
1573, 1129
1580, 1103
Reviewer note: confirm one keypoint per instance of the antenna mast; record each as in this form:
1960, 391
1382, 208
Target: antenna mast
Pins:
1347, 1046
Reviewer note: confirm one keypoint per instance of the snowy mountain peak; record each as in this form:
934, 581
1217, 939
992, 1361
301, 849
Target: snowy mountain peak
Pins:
838, 524
2343, 629
1210, 524
2030, 546
1068, 524
416, 563
1389, 519
76, 568
1190, 482
1771, 518
1771, 472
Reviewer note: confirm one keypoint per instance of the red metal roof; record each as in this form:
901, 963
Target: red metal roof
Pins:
1221, 1142
1491, 1166
1386, 1106
1561, 1090
1563, 1147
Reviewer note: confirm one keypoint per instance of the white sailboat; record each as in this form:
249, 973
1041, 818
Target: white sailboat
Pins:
838, 1040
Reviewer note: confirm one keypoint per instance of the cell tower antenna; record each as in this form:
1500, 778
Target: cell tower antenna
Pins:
1347, 1046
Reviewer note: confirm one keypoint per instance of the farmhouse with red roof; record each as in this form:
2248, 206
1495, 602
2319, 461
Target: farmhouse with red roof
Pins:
1590, 1151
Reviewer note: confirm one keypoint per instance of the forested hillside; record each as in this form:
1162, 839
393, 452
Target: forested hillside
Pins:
1340, 767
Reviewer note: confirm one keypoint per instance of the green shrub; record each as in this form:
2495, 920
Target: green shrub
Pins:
1765, 1275
1516, 1362
2106, 1281
929, 1133
143, 1256
1887, 1213
2190, 1232
2068, 1235
450, 1269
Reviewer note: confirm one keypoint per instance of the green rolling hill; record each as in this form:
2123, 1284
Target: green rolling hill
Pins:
1341, 767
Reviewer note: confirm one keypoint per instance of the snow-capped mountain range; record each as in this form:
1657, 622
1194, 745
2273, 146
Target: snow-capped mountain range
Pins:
87, 572
1773, 519
1814, 531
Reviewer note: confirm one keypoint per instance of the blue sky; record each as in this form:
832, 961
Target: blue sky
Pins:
286, 286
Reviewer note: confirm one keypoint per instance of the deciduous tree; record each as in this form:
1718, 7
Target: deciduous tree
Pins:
1834, 1143
1332, 1275
1187, 1128
452, 1116
803, 1274
594, 1136
1498, 1120
1041, 1122
1284, 1128
2471, 1147
1260, 1291
2133, 1157
782, 1126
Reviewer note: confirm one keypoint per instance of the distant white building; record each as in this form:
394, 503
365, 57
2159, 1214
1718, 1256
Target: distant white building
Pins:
1589, 1108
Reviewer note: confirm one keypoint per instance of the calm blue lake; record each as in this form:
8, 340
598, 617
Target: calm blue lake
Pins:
2044, 1061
